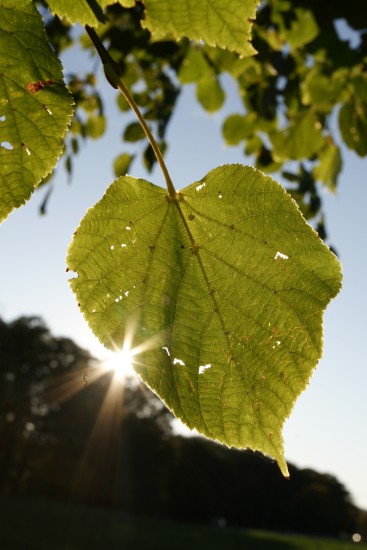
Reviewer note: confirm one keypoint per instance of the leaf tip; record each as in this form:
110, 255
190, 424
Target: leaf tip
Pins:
283, 466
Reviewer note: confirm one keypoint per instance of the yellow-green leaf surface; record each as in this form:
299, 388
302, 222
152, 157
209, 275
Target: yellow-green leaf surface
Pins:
35, 106
217, 22
123, 3
222, 293
303, 29
329, 166
85, 12
210, 93
301, 140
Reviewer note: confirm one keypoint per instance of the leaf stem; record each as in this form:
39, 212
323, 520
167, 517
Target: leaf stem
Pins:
113, 75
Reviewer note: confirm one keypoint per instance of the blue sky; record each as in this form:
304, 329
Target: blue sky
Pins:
327, 429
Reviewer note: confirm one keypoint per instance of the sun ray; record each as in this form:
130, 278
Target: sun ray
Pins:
122, 361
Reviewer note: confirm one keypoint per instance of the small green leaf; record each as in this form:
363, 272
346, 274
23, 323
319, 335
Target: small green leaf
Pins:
96, 126
122, 103
133, 132
217, 22
193, 67
149, 158
253, 145
300, 140
353, 126
329, 167
122, 163
222, 292
210, 93
321, 91
35, 106
236, 128
303, 29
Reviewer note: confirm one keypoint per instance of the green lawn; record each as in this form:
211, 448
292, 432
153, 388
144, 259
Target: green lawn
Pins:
30, 524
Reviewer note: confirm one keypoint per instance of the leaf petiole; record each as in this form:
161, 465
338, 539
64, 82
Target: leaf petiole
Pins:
113, 76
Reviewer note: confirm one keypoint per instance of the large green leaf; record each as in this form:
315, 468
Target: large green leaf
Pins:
224, 288
35, 106
217, 22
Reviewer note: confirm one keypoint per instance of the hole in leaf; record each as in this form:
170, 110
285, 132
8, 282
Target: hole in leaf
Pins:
26, 149
203, 368
47, 109
2, 118
7, 145
281, 255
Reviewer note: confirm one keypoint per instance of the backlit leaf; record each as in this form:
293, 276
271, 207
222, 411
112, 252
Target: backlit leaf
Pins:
353, 126
217, 22
222, 290
210, 93
303, 29
122, 163
35, 106
193, 67
321, 91
133, 132
329, 167
300, 140
238, 127
96, 126
85, 12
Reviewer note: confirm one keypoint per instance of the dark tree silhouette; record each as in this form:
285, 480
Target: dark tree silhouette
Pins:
110, 445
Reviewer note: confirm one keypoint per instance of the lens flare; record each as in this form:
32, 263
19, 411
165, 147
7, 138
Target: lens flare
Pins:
121, 363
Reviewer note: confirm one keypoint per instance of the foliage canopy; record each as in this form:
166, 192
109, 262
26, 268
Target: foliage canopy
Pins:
222, 285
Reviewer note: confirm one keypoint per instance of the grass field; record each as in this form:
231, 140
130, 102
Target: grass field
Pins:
30, 524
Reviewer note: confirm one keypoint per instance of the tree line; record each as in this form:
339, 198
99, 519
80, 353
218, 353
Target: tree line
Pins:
67, 436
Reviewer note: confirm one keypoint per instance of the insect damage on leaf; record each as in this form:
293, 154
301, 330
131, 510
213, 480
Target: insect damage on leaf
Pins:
34, 87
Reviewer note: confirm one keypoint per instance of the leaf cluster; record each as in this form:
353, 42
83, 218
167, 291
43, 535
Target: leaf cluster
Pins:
303, 94
218, 289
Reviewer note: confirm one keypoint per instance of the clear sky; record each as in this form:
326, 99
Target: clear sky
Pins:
327, 429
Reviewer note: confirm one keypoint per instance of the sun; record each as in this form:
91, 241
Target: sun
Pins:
122, 360
120, 363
